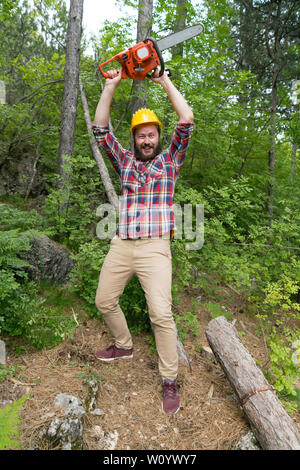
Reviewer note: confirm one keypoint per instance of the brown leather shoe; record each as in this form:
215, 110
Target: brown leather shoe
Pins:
112, 353
171, 402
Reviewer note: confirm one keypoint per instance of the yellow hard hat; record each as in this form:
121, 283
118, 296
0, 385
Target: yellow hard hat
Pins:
144, 116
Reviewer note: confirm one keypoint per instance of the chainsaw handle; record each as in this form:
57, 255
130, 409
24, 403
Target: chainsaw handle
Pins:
161, 60
105, 75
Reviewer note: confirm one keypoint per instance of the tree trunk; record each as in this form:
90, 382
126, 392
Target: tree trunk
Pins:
71, 78
271, 166
144, 27
176, 51
295, 144
272, 426
180, 23
106, 180
273, 54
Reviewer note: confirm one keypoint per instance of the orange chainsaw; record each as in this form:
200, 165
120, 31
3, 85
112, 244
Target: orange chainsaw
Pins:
146, 56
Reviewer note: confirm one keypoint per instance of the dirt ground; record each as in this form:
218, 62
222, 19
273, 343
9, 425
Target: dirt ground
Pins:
129, 394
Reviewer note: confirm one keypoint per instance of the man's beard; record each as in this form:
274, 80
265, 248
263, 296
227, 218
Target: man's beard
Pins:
139, 155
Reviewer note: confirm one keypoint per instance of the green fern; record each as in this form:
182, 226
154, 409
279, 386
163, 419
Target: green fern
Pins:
9, 424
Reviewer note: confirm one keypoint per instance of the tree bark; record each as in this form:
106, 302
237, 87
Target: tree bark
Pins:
273, 54
272, 426
106, 180
271, 163
180, 23
295, 145
71, 78
144, 27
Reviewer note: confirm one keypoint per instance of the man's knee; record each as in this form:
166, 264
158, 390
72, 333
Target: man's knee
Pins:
162, 320
105, 303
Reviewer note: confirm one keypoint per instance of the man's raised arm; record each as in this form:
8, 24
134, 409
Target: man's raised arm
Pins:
181, 107
103, 107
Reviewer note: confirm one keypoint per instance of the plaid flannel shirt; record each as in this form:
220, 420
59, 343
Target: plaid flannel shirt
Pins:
147, 188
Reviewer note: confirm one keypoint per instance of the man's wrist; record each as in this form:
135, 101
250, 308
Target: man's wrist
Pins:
110, 87
165, 82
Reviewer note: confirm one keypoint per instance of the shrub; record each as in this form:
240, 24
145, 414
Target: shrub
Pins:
9, 424
71, 210
22, 309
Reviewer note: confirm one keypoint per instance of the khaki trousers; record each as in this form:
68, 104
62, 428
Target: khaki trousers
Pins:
150, 259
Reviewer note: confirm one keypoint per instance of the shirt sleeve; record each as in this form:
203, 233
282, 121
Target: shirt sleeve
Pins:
110, 145
179, 143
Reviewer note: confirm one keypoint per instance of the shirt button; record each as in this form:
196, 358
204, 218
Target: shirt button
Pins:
138, 214
137, 228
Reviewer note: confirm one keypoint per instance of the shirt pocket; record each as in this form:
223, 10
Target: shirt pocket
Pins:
155, 172
130, 180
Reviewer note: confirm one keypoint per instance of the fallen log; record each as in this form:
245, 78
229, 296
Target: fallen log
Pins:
271, 424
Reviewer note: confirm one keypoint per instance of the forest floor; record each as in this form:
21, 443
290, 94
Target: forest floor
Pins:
129, 394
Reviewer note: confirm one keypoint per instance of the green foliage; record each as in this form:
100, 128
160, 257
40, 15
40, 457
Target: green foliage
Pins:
279, 316
133, 304
283, 364
215, 310
16, 292
85, 274
23, 311
238, 251
181, 266
71, 210
187, 323
12, 218
9, 372
9, 424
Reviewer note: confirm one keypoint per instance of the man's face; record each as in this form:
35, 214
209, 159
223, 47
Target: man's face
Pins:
146, 142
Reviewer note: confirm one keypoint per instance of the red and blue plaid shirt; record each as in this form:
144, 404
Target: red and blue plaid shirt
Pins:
147, 188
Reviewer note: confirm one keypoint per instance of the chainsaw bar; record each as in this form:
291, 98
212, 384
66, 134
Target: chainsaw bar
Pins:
179, 37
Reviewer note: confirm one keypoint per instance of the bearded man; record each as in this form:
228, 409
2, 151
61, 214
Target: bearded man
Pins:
141, 245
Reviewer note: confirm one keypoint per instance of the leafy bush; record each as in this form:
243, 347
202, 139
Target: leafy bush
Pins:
238, 251
22, 309
16, 291
85, 274
13, 218
9, 424
71, 210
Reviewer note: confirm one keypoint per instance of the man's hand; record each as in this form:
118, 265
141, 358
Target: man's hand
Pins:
157, 79
115, 77
183, 110
103, 107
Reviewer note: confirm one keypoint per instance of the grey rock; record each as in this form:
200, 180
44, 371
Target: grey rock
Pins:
48, 261
70, 404
105, 441
91, 399
247, 442
97, 411
66, 430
